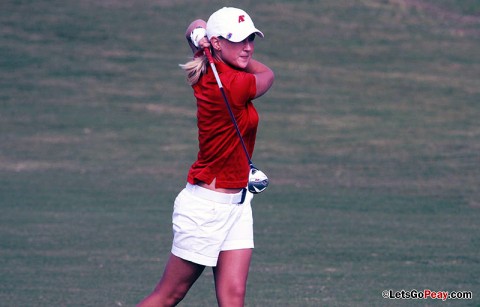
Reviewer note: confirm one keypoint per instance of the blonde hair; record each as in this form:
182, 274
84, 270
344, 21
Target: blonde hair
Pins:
195, 68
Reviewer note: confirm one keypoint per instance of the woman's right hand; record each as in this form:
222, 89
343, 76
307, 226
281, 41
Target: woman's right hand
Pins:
203, 43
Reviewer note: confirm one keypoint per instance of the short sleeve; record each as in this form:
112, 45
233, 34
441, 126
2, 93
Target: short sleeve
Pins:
241, 89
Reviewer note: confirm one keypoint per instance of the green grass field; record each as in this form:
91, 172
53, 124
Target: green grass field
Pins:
370, 137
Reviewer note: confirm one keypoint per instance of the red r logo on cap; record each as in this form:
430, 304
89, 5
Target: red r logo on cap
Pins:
241, 18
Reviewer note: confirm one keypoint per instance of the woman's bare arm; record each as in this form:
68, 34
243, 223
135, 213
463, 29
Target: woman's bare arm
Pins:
263, 74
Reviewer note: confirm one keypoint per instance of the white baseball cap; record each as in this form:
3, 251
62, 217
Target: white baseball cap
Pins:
232, 24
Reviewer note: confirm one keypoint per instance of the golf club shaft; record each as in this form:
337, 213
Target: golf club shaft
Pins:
220, 85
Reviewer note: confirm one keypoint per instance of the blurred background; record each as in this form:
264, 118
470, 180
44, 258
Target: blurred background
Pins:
370, 137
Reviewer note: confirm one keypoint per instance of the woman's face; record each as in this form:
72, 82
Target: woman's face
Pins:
237, 54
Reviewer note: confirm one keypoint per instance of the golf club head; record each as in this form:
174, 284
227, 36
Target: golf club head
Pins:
257, 181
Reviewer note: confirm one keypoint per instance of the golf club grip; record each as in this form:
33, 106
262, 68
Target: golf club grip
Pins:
208, 54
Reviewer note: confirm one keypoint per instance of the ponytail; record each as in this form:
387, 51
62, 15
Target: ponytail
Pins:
195, 68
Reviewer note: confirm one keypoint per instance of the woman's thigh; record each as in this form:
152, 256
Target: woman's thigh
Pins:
231, 275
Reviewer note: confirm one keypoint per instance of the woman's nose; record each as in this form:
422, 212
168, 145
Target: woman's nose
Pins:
247, 45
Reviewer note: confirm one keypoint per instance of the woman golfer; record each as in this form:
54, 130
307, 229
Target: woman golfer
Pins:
212, 217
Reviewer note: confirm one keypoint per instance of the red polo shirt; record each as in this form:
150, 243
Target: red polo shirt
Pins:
220, 154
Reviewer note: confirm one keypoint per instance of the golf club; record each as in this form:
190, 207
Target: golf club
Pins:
257, 180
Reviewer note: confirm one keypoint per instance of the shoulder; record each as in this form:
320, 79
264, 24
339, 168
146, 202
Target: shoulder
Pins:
236, 79
239, 85
242, 85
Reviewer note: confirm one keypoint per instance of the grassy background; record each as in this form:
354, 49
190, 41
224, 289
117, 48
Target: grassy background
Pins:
370, 137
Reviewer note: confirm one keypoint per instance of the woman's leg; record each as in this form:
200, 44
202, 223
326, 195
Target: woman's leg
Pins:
178, 277
231, 275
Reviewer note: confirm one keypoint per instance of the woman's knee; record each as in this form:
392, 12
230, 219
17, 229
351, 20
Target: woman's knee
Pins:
158, 298
232, 292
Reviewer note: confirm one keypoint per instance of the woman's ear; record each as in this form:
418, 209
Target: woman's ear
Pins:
215, 43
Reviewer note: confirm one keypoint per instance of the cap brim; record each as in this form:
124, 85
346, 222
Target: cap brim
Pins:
256, 31
260, 33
